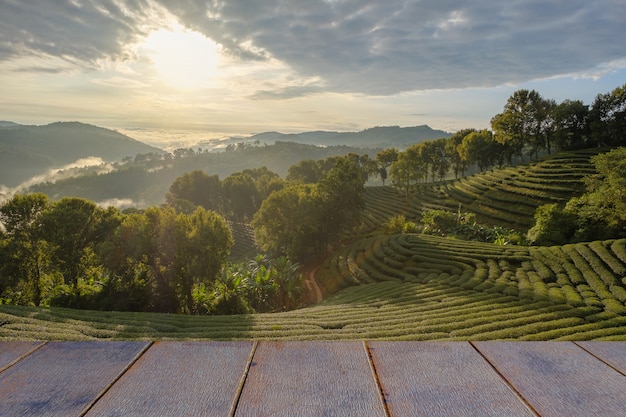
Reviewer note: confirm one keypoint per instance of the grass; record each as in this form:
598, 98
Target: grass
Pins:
493, 292
410, 286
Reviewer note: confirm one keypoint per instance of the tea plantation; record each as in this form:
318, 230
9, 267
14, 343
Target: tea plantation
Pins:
416, 286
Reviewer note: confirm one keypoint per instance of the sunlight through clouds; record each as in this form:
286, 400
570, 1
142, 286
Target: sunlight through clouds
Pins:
183, 58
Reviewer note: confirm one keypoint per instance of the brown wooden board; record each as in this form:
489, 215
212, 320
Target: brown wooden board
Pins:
63, 378
559, 378
310, 379
179, 379
613, 353
13, 351
442, 379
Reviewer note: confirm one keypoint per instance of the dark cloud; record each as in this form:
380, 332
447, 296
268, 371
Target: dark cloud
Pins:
79, 31
363, 46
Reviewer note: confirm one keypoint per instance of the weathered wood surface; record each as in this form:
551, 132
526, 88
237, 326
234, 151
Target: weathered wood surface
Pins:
14, 351
310, 379
63, 378
376, 378
442, 379
613, 353
179, 379
559, 378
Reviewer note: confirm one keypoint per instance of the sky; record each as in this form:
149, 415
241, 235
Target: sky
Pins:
162, 67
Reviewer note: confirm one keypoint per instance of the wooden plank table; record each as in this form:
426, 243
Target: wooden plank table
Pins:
376, 378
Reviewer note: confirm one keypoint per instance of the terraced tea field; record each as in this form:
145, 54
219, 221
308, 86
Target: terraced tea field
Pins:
414, 286
504, 196
411, 287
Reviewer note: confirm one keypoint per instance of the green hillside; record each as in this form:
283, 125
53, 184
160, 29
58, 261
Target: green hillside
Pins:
434, 289
415, 286
26, 151
506, 196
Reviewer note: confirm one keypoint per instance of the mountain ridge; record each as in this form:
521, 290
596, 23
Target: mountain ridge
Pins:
376, 137
29, 150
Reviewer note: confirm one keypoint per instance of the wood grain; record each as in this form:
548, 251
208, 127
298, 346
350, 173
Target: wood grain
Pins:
559, 378
13, 351
63, 378
613, 353
442, 379
179, 379
310, 379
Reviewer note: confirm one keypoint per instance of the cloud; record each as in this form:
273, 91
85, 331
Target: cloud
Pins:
359, 46
376, 47
78, 31
287, 92
55, 174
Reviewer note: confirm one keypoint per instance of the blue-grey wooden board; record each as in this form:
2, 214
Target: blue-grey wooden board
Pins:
63, 378
559, 378
613, 353
179, 379
310, 379
13, 351
442, 379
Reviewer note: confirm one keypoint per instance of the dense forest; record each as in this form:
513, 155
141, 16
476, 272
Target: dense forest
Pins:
175, 257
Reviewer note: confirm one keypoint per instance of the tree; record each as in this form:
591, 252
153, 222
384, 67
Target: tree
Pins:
524, 121
198, 188
203, 246
342, 192
571, 125
306, 171
384, 159
459, 165
74, 227
160, 257
287, 222
479, 148
608, 117
409, 168
241, 197
23, 252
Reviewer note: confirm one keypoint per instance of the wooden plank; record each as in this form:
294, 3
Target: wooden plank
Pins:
13, 351
179, 379
310, 379
613, 353
442, 379
63, 378
559, 378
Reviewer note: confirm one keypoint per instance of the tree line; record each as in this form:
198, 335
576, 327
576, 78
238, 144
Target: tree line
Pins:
528, 125
175, 257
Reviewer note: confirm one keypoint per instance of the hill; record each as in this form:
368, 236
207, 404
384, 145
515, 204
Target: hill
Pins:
415, 286
375, 137
146, 181
26, 151
506, 196
420, 288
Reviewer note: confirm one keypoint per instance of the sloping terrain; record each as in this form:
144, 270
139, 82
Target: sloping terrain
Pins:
505, 196
26, 151
415, 286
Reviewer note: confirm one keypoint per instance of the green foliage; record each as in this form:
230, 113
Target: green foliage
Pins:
598, 214
304, 219
553, 226
399, 224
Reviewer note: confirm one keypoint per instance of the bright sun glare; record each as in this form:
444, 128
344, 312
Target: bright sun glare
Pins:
183, 58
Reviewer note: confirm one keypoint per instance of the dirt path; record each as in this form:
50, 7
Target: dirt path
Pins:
311, 283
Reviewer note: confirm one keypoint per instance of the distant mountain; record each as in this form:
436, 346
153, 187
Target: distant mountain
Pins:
4, 123
375, 137
26, 151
